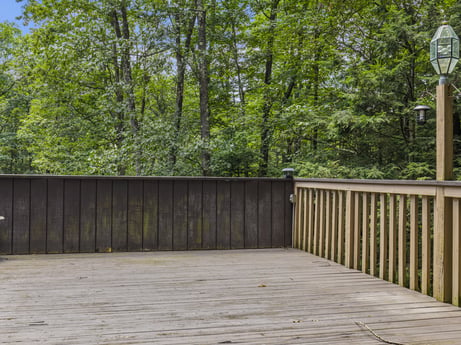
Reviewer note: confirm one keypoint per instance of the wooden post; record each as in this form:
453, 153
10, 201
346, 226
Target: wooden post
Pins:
443, 207
444, 133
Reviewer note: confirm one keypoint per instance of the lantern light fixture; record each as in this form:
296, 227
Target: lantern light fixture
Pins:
444, 51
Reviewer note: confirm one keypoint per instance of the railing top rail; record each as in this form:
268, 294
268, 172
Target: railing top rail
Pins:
426, 187
152, 178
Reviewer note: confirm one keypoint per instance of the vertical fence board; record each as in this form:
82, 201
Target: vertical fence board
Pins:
318, 206
120, 215
392, 238
414, 242
38, 210
425, 246
165, 214
88, 216
209, 215
55, 215
104, 216
71, 216
150, 215
195, 224
180, 215
383, 236
135, 215
277, 215
264, 215
288, 206
6, 211
223, 211
21, 216
251, 214
237, 215
402, 261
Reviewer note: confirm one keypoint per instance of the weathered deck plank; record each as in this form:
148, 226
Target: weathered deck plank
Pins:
210, 297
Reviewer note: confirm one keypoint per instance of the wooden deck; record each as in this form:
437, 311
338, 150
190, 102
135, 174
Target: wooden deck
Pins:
210, 297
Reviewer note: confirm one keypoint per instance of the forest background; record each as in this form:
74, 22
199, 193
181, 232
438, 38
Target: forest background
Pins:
223, 88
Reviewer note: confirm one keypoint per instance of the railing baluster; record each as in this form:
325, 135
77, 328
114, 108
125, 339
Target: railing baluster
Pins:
334, 226
321, 242
456, 291
303, 228
310, 224
341, 228
383, 237
373, 234
349, 252
357, 234
392, 238
365, 233
402, 261
328, 220
414, 242
317, 222
426, 246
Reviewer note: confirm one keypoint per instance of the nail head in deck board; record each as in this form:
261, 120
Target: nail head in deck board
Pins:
150, 215
135, 214
120, 215
88, 216
251, 214
209, 215
21, 216
277, 214
237, 215
71, 216
55, 216
180, 216
6, 210
223, 222
165, 223
194, 215
38, 210
264, 214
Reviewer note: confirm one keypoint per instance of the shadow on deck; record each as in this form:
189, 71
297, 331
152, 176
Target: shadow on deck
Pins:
273, 296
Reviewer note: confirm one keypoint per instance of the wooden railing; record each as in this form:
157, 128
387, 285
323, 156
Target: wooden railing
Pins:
406, 232
71, 214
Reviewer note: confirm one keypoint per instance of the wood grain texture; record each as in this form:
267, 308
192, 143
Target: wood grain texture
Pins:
55, 217
210, 297
21, 216
71, 216
38, 213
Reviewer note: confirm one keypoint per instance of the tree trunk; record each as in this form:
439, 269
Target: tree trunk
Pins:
203, 84
180, 77
267, 107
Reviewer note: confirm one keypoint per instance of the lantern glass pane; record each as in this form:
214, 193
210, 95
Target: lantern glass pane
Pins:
444, 50
455, 48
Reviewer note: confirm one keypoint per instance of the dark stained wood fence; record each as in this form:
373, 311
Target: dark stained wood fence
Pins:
72, 214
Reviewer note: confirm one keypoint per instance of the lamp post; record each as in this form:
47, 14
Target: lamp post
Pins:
444, 54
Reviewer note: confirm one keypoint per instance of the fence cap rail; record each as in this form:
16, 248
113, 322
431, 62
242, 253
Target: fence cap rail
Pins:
153, 178
432, 183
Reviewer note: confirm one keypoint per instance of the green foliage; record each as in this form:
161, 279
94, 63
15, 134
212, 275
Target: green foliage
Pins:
327, 87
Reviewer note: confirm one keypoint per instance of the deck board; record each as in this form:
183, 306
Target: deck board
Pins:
273, 296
